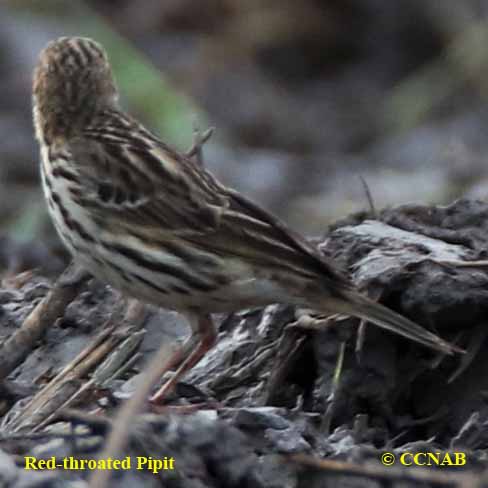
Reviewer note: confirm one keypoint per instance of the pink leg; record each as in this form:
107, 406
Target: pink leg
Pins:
207, 336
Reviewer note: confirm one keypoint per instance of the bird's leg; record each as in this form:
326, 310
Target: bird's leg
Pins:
206, 335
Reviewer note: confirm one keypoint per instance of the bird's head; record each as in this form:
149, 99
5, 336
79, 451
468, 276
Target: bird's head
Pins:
72, 82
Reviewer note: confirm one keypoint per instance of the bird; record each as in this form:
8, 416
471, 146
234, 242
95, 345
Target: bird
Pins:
155, 225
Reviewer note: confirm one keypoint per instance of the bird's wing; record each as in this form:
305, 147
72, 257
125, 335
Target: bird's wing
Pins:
145, 183
155, 193
256, 234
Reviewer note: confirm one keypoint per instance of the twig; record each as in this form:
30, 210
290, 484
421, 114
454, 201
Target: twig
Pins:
98, 423
367, 191
121, 425
477, 339
331, 400
69, 384
135, 314
464, 264
199, 139
66, 383
361, 334
382, 473
9, 437
17, 347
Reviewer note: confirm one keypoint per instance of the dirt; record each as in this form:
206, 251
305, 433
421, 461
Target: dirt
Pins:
271, 401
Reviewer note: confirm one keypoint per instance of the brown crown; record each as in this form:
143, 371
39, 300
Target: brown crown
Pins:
72, 82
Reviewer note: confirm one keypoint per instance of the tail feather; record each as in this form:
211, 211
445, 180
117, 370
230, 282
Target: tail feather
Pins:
362, 307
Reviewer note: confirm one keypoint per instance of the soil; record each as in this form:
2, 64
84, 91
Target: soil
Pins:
273, 402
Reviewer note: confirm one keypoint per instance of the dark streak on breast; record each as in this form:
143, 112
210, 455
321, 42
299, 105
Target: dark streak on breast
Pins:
149, 283
143, 262
71, 223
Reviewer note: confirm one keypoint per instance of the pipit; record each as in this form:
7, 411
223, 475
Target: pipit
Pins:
155, 225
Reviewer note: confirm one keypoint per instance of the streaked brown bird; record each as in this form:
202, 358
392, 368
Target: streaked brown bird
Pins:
159, 227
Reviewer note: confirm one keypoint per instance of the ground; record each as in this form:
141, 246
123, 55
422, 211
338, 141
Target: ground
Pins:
274, 402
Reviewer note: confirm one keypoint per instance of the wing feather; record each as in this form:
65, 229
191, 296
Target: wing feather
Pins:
144, 185
157, 194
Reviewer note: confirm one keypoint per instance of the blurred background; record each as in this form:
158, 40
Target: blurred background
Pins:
307, 98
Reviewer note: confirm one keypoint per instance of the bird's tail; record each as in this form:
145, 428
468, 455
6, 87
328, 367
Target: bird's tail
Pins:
362, 307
